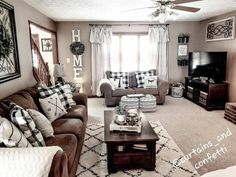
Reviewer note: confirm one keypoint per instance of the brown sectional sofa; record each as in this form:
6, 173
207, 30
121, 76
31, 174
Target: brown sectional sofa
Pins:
112, 97
69, 130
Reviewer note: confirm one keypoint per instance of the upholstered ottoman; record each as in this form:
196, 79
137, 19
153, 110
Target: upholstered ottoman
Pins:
129, 103
148, 103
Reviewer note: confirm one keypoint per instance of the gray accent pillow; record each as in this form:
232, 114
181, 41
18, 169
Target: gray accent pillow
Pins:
11, 136
42, 123
25, 123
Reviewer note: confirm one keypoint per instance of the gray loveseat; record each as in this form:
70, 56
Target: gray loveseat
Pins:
112, 97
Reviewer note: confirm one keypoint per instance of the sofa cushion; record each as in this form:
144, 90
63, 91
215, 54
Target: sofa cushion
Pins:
122, 92
21, 98
152, 91
123, 75
48, 91
21, 118
140, 77
132, 80
150, 82
42, 123
69, 125
52, 107
68, 142
78, 112
11, 136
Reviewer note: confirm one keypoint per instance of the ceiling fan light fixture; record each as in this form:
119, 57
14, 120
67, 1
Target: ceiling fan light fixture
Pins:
163, 14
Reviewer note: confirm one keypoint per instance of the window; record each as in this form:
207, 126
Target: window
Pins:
130, 52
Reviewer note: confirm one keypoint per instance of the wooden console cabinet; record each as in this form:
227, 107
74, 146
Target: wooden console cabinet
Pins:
209, 96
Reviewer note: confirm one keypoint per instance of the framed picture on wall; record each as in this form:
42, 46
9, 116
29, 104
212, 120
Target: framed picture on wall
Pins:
182, 50
221, 30
9, 59
46, 44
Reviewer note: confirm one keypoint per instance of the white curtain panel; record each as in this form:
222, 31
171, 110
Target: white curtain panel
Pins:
100, 39
159, 38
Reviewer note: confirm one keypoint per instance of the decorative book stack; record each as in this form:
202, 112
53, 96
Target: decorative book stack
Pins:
230, 112
142, 147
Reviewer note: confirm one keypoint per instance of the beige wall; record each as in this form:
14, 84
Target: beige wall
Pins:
226, 45
23, 13
176, 73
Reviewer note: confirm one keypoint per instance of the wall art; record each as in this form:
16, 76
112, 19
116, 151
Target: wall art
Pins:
182, 50
46, 44
221, 29
9, 59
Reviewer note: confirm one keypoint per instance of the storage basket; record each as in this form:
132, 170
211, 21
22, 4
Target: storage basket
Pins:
177, 92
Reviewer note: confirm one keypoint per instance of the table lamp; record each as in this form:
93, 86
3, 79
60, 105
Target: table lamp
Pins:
59, 73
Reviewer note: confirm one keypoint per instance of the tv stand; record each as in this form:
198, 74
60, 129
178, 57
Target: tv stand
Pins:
208, 96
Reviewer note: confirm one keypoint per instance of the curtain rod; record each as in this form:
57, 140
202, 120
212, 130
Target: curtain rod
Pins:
128, 24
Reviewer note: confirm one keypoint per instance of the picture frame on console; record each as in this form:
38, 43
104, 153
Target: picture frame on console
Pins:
9, 59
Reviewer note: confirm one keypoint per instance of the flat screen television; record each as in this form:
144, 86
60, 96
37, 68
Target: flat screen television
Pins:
208, 64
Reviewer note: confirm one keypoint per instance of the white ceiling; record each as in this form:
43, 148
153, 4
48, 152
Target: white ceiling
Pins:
110, 10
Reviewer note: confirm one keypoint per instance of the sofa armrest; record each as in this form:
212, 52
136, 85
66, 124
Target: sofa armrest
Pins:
106, 90
80, 99
59, 167
163, 87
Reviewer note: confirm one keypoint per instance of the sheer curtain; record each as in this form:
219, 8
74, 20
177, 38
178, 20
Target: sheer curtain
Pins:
100, 39
159, 38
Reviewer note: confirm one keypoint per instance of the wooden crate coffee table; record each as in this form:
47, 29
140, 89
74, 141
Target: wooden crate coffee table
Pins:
129, 157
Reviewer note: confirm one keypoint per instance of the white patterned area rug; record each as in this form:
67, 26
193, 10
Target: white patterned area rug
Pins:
93, 160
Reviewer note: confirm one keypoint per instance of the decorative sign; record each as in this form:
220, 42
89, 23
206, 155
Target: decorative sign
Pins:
78, 65
9, 61
221, 29
182, 50
46, 44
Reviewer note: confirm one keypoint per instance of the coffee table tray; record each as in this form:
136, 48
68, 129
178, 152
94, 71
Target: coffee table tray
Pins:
128, 128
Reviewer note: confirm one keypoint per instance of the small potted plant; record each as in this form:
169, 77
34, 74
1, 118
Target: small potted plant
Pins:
183, 38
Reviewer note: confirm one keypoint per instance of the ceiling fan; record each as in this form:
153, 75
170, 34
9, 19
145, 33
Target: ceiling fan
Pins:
164, 8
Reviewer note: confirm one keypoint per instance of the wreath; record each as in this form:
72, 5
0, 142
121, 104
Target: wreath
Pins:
6, 45
77, 48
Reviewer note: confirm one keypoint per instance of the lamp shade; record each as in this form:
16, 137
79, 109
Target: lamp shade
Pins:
59, 70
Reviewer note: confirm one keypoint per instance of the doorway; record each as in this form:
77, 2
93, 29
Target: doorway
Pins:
44, 52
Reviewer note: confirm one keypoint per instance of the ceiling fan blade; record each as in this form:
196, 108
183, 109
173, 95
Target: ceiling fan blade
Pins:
185, 8
184, 1
138, 9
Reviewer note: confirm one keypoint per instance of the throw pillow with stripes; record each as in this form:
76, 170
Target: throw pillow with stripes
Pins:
45, 92
140, 77
123, 75
25, 123
11, 136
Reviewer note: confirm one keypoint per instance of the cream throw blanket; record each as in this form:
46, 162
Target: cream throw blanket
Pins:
228, 172
26, 162
100, 83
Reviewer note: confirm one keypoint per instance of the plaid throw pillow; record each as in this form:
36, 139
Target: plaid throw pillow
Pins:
25, 123
123, 75
140, 77
48, 91
67, 90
